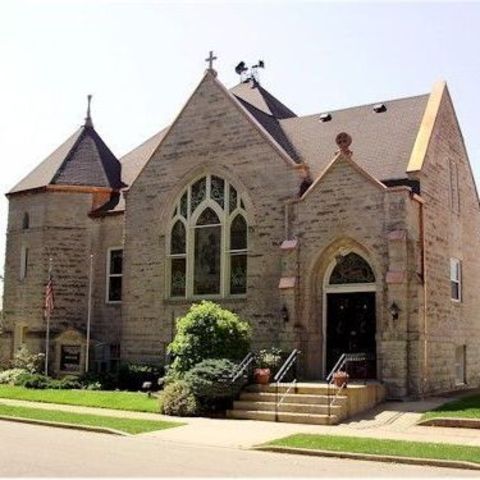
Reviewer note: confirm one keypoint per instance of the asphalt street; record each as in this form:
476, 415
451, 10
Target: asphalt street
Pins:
38, 451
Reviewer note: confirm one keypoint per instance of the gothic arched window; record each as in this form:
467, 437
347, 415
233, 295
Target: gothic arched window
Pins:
208, 241
351, 268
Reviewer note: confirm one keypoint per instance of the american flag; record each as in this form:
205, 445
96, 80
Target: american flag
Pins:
49, 296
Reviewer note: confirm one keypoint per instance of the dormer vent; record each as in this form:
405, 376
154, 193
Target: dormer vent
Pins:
379, 108
325, 117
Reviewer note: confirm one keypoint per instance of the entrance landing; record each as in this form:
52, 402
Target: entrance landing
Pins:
306, 402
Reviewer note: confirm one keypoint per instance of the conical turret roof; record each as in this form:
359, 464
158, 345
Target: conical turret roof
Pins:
82, 160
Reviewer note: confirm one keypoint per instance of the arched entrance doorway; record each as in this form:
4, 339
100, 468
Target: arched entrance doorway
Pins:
349, 312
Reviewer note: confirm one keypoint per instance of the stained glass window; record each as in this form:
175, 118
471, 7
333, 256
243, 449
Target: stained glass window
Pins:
232, 199
351, 268
178, 277
217, 190
207, 260
198, 193
215, 255
208, 217
238, 233
178, 238
184, 205
238, 274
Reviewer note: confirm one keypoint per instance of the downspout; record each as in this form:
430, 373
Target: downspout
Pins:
423, 276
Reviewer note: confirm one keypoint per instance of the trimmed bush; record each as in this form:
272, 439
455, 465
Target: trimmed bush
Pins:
10, 377
179, 400
69, 382
33, 380
207, 331
211, 381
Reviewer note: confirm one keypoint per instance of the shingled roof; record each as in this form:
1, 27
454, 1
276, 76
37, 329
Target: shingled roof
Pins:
255, 95
82, 160
382, 142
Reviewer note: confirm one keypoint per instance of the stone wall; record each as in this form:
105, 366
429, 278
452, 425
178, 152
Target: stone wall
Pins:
346, 210
60, 229
211, 135
449, 234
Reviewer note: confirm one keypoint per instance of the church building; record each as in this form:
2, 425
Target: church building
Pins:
347, 231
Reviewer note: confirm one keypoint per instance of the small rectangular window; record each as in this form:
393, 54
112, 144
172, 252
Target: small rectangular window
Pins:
23, 263
454, 187
460, 361
456, 279
114, 274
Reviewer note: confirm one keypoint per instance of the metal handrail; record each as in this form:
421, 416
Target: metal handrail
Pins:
286, 366
244, 364
342, 361
289, 362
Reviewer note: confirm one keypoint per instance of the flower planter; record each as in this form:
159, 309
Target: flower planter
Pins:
261, 376
340, 378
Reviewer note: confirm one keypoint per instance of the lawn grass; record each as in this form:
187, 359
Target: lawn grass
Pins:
468, 407
397, 448
127, 425
133, 401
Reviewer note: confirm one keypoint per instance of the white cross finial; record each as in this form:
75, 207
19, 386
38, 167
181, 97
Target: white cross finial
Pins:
211, 58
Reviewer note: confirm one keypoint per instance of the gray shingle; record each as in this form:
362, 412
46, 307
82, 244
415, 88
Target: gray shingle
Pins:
382, 142
83, 160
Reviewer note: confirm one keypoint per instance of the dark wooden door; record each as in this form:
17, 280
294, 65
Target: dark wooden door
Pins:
351, 329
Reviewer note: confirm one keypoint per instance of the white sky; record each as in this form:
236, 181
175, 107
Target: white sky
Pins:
141, 60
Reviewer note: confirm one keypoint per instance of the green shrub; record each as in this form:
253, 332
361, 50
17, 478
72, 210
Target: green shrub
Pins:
69, 382
179, 400
11, 376
211, 381
131, 376
207, 331
33, 380
32, 362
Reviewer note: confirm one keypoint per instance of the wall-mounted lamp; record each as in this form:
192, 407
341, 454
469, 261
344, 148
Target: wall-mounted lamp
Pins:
394, 311
284, 314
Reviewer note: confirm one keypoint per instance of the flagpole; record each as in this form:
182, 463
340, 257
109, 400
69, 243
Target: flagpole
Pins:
48, 312
89, 313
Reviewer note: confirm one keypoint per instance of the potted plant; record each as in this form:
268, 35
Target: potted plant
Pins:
267, 360
340, 378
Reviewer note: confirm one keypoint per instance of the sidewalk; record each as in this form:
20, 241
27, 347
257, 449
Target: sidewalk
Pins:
392, 420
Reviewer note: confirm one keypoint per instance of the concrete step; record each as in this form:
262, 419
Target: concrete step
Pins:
308, 418
288, 407
302, 388
303, 398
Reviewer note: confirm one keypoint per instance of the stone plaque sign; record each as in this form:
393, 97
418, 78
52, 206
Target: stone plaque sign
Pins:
70, 358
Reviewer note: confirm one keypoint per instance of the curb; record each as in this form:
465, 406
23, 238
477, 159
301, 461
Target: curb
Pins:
372, 457
71, 426
453, 422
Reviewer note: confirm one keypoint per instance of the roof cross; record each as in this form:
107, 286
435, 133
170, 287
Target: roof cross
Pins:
211, 58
